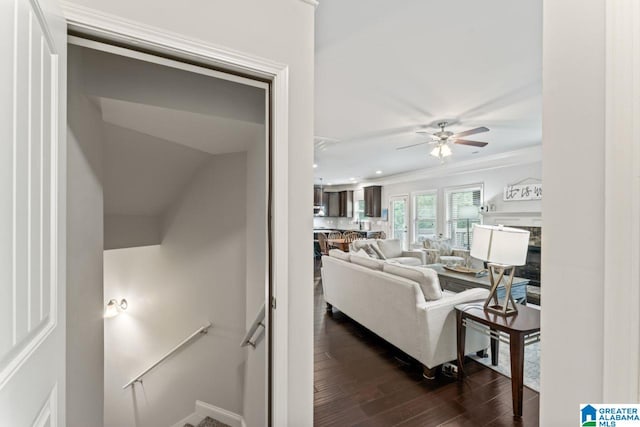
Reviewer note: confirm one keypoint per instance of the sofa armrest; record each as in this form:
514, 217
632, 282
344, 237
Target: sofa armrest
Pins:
416, 254
439, 322
448, 301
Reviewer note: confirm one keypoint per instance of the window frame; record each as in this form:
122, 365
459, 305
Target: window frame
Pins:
414, 212
448, 191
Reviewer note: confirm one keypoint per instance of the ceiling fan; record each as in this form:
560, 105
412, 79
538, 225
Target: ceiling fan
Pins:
442, 139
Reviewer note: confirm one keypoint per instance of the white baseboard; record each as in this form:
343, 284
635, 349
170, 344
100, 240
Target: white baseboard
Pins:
192, 419
204, 409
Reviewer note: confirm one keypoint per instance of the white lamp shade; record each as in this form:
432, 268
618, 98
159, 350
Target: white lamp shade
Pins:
468, 212
500, 245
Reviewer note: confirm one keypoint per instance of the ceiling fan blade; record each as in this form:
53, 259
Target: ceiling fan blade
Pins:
472, 143
413, 145
469, 132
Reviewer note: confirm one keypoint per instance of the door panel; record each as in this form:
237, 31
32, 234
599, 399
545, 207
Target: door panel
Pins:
399, 216
32, 214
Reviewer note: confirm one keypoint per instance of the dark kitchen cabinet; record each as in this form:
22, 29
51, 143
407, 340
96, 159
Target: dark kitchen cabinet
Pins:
373, 201
333, 208
317, 195
346, 203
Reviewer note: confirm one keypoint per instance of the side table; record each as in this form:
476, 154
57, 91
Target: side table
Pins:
518, 331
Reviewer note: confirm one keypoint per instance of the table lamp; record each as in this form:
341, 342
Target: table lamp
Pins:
468, 212
503, 249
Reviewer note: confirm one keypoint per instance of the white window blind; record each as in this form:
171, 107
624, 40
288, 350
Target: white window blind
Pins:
425, 215
456, 226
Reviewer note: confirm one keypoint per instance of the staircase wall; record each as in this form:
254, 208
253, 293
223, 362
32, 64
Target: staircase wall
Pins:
196, 275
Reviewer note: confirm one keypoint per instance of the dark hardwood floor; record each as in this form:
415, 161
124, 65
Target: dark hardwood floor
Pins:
361, 380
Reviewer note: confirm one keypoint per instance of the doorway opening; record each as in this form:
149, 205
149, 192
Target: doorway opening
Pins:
169, 176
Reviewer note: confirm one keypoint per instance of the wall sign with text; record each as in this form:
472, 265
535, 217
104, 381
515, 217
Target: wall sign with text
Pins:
522, 192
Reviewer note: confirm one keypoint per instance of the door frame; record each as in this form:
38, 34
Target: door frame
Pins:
621, 367
407, 217
132, 35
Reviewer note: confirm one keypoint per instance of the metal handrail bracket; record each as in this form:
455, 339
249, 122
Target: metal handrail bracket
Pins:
258, 322
201, 330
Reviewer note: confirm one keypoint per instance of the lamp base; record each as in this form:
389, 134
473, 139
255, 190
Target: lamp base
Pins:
492, 304
500, 310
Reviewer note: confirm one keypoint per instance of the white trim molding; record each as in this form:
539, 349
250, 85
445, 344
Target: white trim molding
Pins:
114, 28
621, 379
313, 3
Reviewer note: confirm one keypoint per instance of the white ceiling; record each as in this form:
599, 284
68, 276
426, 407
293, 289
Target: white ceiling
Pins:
161, 125
384, 69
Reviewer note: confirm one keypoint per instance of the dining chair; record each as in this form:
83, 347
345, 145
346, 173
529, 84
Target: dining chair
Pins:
322, 242
335, 235
351, 236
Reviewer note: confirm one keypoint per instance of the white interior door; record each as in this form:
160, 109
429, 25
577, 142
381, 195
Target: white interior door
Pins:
399, 219
32, 213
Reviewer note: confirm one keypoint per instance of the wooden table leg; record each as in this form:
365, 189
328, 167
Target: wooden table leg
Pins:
516, 344
495, 347
461, 330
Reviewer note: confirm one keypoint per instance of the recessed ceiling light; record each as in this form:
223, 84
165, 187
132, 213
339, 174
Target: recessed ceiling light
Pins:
352, 179
315, 165
378, 172
328, 183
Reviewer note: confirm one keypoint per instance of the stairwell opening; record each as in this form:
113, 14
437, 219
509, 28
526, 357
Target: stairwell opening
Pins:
168, 205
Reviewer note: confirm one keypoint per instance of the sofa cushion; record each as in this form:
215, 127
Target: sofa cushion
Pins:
391, 248
374, 264
337, 253
426, 278
406, 260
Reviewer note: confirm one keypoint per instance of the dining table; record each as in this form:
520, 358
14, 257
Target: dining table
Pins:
341, 244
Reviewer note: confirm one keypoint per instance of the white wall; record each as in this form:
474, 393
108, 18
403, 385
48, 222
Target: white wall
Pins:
281, 30
573, 171
128, 231
197, 275
494, 179
84, 256
493, 182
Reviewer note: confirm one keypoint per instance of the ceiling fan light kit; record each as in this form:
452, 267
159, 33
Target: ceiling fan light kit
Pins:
441, 151
443, 138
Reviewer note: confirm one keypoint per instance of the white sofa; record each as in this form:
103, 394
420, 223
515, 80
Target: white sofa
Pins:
390, 250
395, 307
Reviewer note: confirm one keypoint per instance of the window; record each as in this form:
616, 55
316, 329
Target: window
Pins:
457, 227
425, 217
359, 210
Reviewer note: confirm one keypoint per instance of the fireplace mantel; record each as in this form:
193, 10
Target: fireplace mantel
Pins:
514, 218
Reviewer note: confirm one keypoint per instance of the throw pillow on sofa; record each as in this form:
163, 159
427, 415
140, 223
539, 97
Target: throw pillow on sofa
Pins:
374, 264
391, 248
426, 278
360, 253
374, 247
337, 253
